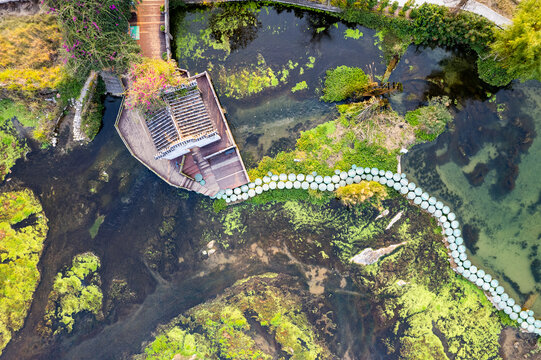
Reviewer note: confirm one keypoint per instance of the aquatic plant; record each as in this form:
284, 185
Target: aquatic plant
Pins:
235, 23
20, 250
431, 310
248, 80
75, 290
430, 121
299, 86
353, 34
344, 82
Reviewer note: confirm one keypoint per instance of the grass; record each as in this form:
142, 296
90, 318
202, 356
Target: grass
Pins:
10, 109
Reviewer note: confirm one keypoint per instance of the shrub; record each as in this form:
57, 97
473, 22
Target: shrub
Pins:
94, 33
355, 194
519, 45
162, 28
394, 7
148, 79
344, 82
162, 8
492, 72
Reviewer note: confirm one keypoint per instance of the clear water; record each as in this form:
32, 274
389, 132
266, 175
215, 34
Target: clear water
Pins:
134, 202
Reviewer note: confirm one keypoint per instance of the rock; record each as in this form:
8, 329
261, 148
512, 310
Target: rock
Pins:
211, 251
210, 245
384, 213
369, 256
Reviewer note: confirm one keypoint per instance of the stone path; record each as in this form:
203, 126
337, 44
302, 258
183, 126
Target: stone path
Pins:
78, 135
417, 196
471, 6
112, 83
150, 19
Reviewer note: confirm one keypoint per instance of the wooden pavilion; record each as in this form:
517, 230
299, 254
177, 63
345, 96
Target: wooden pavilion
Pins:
187, 142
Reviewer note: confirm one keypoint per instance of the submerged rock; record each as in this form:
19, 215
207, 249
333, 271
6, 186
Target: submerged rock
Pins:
369, 256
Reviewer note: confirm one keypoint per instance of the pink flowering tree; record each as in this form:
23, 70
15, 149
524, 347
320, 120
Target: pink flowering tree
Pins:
147, 81
95, 33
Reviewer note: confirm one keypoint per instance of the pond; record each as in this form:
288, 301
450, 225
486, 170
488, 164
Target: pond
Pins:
484, 167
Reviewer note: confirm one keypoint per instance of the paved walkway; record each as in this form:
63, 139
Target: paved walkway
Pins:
471, 6
149, 19
78, 134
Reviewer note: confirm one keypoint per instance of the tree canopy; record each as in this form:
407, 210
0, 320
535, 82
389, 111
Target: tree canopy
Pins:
95, 32
519, 45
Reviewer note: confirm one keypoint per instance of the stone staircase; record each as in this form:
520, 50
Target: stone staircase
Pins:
112, 83
210, 180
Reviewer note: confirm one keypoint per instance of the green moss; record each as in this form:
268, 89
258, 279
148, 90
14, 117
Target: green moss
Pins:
353, 34
219, 329
344, 82
75, 290
299, 86
20, 253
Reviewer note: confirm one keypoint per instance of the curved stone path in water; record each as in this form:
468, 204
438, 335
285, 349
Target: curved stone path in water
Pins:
445, 217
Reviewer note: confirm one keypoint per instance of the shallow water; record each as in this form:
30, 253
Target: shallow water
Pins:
102, 178
502, 211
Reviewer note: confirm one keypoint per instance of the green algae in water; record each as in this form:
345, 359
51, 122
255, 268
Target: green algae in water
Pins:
353, 34
299, 86
250, 80
21, 250
75, 290
96, 226
227, 327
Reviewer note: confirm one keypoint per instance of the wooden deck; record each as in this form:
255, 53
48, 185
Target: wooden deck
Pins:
220, 163
149, 19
